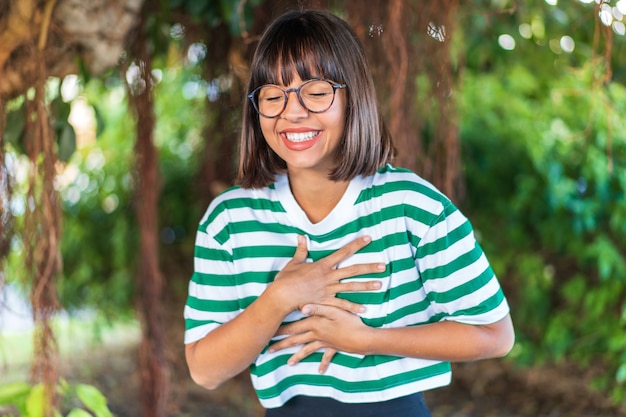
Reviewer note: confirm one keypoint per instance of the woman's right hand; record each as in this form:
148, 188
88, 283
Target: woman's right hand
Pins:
302, 282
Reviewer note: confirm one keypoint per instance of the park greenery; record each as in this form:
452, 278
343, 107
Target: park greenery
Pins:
540, 99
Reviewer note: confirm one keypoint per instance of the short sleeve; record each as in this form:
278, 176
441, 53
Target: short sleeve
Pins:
457, 277
212, 298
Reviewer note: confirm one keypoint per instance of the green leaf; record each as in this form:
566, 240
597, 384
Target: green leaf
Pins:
99, 121
60, 111
14, 393
77, 412
93, 399
35, 401
14, 130
620, 376
67, 142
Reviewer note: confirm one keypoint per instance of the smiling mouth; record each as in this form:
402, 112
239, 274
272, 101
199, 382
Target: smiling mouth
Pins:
301, 137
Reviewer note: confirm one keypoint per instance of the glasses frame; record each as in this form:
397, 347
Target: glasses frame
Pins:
334, 85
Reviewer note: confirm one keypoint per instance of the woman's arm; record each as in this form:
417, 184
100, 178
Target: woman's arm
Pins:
233, 346
331, 327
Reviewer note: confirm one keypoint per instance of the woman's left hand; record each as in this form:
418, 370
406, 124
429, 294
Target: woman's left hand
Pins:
325, 327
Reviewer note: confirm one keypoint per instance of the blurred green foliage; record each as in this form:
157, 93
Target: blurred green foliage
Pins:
29, 400
544, 151
100, 232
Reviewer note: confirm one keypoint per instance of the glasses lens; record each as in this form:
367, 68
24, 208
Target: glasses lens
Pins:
317, 96
270, 100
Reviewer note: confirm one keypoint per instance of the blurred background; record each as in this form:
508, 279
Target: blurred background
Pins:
119, 122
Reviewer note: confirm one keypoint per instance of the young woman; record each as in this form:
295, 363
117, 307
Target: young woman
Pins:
345, 285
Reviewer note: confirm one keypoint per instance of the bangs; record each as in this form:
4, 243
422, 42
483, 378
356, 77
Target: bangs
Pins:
296, 48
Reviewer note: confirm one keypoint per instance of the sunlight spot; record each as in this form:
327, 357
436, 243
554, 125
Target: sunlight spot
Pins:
606, 14
133, 73
196, 52
110, 203
70, 88
83, 119
72, 195
177, 31
19, 165
191, 89
67, 177
555, 46
213, 90
157, 75
82, 182
567, 44
619, 28
506, 42
95, 160
185, 150
18, 205
525, 30
539, 29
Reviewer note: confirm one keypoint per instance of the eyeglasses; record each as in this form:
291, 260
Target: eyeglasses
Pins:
315, 95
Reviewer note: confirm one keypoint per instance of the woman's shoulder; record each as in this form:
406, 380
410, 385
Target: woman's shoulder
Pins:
237, 195
238, 198
395, 179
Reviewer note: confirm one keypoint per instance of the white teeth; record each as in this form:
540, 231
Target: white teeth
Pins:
300, 137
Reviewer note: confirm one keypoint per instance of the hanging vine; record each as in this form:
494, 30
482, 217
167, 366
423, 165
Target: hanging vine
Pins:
422, 116
42, 226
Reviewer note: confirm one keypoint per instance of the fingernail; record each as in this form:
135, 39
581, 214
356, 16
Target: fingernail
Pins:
367, 239
381, 267
306, 310
377, 284
361, 309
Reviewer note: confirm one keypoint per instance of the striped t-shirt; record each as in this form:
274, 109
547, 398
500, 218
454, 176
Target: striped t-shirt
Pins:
435, 271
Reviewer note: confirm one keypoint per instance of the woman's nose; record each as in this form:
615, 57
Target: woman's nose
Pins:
294, 108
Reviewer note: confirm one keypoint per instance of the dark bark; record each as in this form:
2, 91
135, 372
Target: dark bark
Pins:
153, 367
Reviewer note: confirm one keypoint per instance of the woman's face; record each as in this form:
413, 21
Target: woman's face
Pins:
305, 140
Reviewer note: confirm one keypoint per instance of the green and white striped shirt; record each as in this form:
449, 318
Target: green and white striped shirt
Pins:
435, 271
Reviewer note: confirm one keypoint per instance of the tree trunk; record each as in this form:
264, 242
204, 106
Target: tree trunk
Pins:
153, 368
90, 32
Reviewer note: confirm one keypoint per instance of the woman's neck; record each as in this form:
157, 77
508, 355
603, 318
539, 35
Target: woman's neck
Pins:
316, 194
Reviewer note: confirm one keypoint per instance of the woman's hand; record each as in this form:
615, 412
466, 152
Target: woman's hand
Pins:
212, 359
338, 330
329, 327
302, 282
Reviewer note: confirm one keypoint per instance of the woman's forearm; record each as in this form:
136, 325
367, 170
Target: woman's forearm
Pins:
233, 346
447, 340
331, 327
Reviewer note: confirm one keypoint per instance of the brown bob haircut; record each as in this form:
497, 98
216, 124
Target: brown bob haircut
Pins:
315, 44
